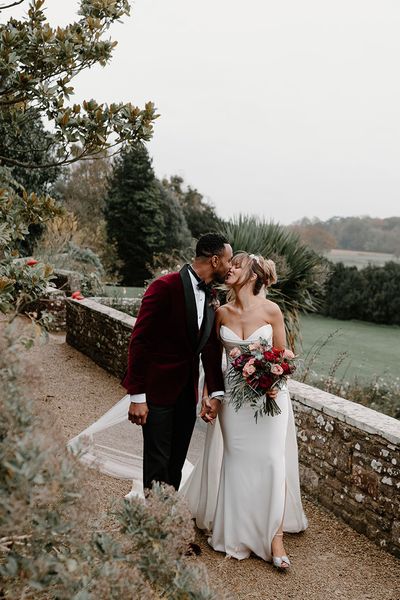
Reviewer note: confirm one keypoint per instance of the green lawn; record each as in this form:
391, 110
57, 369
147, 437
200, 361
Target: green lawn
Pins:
359, 259
373, 349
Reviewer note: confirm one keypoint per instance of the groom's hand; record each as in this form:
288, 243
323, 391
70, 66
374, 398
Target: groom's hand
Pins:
209, 409
138, 412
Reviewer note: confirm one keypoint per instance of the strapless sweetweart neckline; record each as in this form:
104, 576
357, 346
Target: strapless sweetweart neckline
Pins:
249, 338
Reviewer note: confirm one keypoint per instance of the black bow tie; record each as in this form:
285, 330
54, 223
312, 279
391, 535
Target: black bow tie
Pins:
201, 284
206, 287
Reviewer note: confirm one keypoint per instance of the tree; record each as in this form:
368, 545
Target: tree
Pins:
314, 235
365, 233
370, 294
344, 292
27, 143
177, 234
143, 218
301, 272
82, 189
134, 215
199, 214
37, 66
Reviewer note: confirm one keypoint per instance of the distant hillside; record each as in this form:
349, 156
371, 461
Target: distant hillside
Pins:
359, 259
363, 234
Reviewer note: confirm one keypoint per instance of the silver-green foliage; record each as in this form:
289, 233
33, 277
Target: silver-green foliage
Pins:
51, 545
301, 272
20, 283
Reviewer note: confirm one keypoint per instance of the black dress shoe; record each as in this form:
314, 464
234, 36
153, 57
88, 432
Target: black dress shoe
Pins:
193, 550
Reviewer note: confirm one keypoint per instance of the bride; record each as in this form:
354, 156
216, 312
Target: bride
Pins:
245, 488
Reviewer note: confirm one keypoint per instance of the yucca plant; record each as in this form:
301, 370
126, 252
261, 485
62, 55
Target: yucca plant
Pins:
301, 272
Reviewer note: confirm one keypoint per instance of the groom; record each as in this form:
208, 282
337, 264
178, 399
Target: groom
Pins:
174, 326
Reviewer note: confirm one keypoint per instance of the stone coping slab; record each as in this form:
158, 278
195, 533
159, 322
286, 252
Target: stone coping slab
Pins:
357, 415
113, 313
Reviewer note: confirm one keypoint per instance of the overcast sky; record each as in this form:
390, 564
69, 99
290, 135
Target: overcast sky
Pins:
282, 108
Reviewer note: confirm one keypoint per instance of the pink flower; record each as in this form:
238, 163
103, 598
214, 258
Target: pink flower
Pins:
288, 354
249, 368
254, 346
276, 370
235, 352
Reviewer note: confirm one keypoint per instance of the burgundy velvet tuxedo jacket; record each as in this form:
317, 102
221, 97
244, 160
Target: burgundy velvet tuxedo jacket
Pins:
166, 343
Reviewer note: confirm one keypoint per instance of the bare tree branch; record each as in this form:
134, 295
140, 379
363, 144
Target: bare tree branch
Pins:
11, 5
86, 154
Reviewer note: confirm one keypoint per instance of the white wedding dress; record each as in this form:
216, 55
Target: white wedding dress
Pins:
247, 479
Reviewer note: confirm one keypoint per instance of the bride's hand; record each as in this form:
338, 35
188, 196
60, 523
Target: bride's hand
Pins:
272, 393
138, 412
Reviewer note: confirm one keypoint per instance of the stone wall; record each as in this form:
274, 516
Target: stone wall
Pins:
100, 332
52, 302
349, 454
349, 462
130, 306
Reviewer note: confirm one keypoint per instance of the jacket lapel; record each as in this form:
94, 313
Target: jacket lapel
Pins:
208, 322
190, 304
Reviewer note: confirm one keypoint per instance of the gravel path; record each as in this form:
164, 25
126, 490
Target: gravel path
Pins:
330, 560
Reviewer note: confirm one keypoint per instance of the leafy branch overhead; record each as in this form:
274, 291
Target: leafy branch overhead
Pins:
37, 65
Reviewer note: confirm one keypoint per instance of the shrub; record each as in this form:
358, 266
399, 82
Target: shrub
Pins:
370, 294
51, 546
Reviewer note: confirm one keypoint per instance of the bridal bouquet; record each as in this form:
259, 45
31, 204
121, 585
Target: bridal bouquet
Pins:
254, 370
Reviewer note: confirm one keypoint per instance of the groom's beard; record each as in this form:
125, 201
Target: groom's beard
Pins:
218, 278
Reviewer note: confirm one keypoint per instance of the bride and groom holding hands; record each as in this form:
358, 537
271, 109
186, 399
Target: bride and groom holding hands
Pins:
244, 489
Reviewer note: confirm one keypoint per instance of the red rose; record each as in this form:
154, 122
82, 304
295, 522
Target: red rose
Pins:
31, 262
265, 382
269, 356
287, 367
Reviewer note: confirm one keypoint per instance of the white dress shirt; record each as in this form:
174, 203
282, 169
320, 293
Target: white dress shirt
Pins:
200, 298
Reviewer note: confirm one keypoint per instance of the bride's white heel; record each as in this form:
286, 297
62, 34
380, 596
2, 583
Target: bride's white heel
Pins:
282, 563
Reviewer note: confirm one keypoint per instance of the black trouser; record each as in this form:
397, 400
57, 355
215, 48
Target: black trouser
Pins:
167, 435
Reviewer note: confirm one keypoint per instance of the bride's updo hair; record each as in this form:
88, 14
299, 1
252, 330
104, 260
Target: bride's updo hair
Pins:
264, 269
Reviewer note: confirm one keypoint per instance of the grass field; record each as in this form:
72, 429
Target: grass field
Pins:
354, 258
373, 349
118, 291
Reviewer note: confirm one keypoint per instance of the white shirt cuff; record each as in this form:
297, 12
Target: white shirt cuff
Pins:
217, 394
138, 398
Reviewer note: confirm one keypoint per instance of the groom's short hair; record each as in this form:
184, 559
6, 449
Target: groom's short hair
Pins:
211, 244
